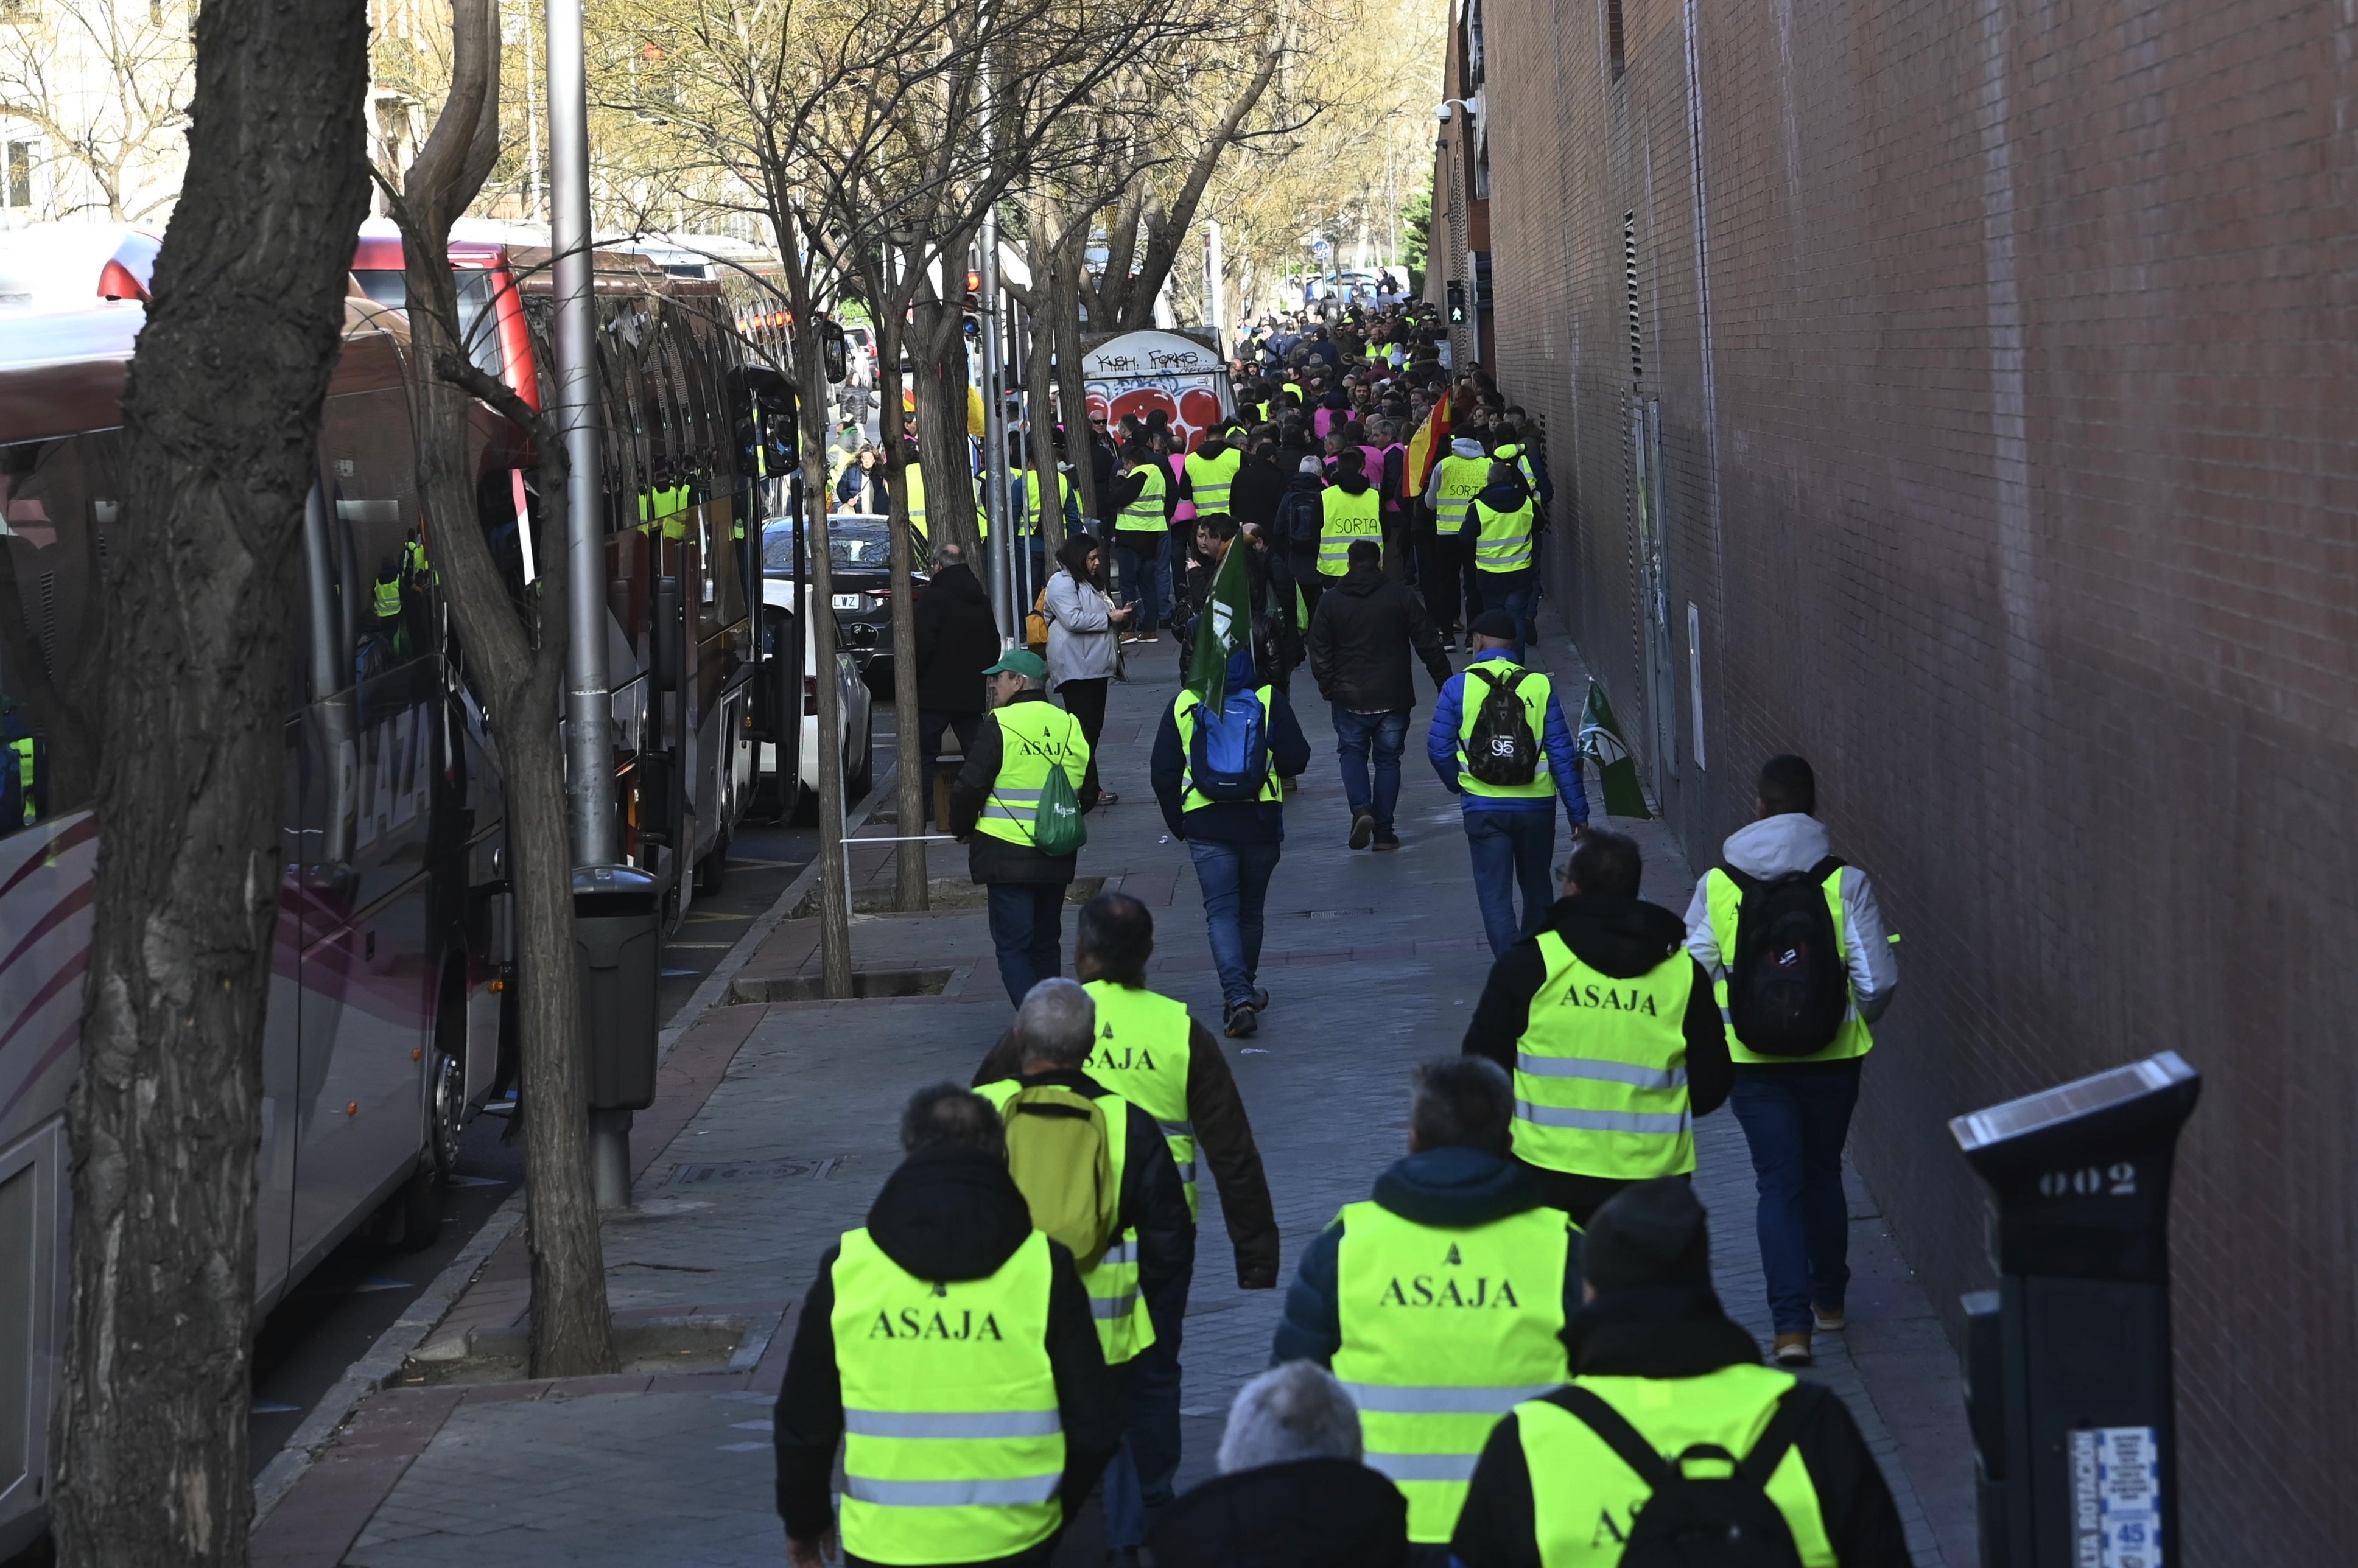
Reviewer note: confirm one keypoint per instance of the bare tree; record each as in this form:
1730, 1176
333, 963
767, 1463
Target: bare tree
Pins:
224, 411
516, 662
106, 86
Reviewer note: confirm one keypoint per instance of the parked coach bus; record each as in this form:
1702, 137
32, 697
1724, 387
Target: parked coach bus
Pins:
383, 1023
384, 1027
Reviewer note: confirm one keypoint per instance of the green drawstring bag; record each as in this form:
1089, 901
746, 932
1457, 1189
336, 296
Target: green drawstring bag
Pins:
1056, 826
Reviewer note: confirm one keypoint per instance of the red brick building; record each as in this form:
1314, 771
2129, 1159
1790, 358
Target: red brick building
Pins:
1963, 395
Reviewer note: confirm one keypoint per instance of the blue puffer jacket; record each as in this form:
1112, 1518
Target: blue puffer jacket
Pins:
1440, 1186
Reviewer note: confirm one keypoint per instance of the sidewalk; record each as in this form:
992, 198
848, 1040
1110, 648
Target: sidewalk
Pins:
776, 1127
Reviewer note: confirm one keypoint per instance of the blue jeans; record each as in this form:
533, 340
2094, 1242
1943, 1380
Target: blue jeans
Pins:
1511, 848
1234, 879
1138, 1480
1027, 927
1139, 556
1355, 735
1797, 1120
1516, 593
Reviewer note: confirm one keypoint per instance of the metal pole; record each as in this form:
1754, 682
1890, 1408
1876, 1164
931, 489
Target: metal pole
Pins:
588, 706
994, 442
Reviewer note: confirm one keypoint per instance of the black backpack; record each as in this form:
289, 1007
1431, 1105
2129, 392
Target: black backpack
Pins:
1698, 1521
1502, 750
1788, 984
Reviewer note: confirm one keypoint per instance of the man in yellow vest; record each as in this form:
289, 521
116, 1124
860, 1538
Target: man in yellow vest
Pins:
1508, 778
1440, 1303
1142, 502
1500, 524
1211, 471
1444, 579
1796, 1073
949, 1347
1137, 1289
1609, 1026
1349, 509
1153, 1054
1666, 1390
994, 802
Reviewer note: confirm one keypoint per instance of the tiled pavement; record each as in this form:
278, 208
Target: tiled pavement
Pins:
1372, 962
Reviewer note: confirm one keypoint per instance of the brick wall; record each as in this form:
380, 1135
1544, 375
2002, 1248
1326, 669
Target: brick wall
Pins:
2002, 376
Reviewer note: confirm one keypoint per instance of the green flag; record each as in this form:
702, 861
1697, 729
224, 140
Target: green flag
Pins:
1225, 626
1601, 742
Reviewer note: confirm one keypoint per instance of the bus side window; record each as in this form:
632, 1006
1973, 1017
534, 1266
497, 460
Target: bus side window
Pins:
364, 442
59, 503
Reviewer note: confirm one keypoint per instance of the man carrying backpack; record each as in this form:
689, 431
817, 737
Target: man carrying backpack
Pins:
1607, 1024
1017, 805
1500, 743
949, 1244
1100, 1178
1797, 951
1215, 775
1628, 1464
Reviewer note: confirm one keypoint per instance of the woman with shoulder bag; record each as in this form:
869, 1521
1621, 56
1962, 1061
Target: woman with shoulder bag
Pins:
1083, 627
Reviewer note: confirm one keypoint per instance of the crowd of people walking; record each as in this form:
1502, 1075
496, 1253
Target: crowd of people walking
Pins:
1511, 1354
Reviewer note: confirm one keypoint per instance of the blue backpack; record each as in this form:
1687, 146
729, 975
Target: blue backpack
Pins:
1228, 758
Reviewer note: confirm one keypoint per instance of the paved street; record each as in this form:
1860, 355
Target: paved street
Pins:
1373, 962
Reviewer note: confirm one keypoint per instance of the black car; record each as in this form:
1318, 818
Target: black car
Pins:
858, 551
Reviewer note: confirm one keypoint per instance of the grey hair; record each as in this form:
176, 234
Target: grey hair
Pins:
950, 552
1294, 1411
1057, 1022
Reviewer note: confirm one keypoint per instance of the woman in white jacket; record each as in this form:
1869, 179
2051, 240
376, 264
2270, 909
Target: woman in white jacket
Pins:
1083, 628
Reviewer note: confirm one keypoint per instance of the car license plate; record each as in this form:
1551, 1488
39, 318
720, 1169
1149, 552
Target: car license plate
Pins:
850, 600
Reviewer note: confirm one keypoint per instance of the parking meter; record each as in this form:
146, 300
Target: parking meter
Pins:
2066, 1362
618, 955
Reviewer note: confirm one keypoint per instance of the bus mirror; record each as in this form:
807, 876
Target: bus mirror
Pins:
761, 414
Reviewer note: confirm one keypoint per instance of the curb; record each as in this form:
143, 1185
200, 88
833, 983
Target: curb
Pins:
385, 1357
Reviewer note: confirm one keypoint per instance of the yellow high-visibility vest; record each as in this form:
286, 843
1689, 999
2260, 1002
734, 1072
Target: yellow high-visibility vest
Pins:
1034, 737
1601, 1069
1344, 517
953, 1443
1141, 1054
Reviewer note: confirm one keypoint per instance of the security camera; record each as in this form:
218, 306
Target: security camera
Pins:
1442, 114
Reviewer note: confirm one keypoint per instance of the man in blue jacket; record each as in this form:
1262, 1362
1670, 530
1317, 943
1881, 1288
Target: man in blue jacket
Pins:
1456, 1225
1235, 843
1510, 827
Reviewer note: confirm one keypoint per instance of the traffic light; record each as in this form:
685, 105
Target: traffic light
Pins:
1456, 304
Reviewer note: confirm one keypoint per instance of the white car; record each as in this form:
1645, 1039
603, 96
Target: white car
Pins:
783, 608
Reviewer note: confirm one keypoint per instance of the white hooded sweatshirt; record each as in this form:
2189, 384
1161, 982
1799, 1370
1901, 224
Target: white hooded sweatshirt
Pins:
1780, 846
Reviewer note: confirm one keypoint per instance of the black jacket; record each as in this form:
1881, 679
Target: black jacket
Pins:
1227, 821
1360, 635
1669, 1333
1449, 1186
1622, 937
1152, 1200
1311, 1513
1259, 486
992, 860
950, 1215
1224, 1140
957, 640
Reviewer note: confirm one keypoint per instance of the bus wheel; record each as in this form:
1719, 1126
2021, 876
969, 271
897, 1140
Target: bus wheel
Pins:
712, 872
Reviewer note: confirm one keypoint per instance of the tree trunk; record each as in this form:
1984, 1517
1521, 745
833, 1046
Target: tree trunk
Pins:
222, 409
1040, 387
938, 358
834, 895
572, 1332
910, 886
1064, 317
1167, 230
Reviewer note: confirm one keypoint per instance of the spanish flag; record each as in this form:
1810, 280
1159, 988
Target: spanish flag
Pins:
1425, 449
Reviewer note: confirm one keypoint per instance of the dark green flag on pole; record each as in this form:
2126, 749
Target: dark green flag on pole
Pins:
1601, 742
1225, 626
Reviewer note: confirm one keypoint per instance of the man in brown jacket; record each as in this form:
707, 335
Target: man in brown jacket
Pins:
1154, 1054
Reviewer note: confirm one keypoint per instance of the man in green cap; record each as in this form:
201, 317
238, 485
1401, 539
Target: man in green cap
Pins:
994, 810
